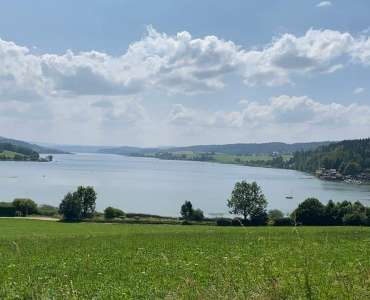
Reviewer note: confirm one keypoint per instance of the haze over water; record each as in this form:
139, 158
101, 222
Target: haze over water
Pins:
155, 186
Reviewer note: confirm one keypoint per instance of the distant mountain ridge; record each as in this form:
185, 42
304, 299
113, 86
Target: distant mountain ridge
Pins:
233, 149
31, 146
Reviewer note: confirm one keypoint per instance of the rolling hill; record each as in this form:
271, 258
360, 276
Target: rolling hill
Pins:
33, 147
232, 149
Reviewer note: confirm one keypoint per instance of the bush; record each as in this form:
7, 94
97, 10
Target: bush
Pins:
25, 207
237, 222
355, 219
112, 213
223, 222
188, 213
197, 215
285, 221
47, 210
7, 209
258, 218
274, 215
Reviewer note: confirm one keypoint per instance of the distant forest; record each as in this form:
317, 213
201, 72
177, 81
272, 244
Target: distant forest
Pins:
19, 153
232, 149
349, 157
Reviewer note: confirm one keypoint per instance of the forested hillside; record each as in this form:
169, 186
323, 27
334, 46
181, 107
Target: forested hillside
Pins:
232, 149
349, 157
34, 147
13, 152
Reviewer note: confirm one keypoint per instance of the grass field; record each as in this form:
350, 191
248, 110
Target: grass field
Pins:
47, 260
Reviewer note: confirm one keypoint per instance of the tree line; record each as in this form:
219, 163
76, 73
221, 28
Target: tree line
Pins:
349, 157
21, 152
247, 203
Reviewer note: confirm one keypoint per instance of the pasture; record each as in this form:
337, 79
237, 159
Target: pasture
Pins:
53, 260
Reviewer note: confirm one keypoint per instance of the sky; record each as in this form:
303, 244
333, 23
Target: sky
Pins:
154, 73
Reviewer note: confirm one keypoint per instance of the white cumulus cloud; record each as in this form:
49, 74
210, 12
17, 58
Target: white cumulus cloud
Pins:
324, 4
174, 64
359, 90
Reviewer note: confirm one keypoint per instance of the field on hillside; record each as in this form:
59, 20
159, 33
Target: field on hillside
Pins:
4, 155
52, 260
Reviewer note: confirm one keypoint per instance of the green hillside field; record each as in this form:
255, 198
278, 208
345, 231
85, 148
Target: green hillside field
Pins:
53, 260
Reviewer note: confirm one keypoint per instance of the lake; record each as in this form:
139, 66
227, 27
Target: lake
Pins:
149, 185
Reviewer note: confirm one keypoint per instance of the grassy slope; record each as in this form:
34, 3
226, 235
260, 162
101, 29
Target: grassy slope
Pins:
41, 259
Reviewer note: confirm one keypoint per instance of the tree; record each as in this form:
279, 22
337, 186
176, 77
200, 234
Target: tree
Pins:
25, 206
187, 210
79, 204
352, 168
274, 215
310, 212
87, 197
71, 207
111, 213
332, 214
258, 217
197, 215
247, 200
355, 218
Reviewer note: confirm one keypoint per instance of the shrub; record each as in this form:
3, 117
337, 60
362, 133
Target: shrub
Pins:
197, 215
237, 222
285, 221
25, 207
112, 213
355, 219
274, 214
258, 218
47, 210
7, 209
188, 213
223, 222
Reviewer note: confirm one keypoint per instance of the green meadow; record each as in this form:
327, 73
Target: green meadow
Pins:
54, 260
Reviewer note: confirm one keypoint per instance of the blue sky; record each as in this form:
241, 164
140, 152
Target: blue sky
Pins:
184, 72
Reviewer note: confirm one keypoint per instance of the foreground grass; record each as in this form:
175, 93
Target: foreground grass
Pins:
46, 260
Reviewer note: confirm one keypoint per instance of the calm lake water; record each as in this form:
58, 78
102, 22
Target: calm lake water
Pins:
159, 187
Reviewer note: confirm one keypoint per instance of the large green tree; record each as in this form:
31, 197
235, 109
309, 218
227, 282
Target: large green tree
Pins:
87, 197
247, 200
310, 212
25, 206
70, 208
189, 213
79, 204
187, 210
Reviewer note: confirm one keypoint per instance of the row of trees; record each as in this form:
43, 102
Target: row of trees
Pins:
23, 207
248, 201
313, 212
81, 204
